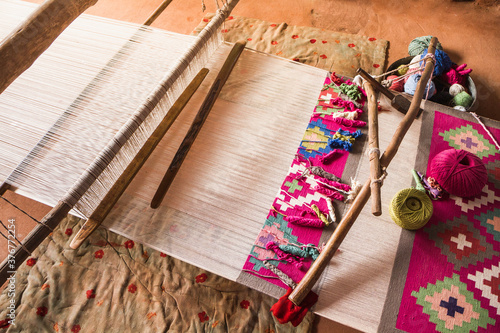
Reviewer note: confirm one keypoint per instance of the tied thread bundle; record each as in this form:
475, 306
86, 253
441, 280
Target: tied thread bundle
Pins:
411, 208
459, 172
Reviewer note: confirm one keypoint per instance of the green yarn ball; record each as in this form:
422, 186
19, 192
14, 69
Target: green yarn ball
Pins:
411, 209
419, 44
463, 99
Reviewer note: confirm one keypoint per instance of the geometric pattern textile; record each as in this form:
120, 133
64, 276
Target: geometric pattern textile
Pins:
300, 192
450, 279
452, 307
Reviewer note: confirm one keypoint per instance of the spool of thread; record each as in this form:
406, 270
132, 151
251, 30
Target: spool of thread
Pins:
459, 172
411, 208
411, 86
463, 99
419, 44
456, 89
402, 69
396, 85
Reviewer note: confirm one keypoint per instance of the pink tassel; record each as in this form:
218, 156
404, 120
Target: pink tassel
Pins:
306, 222
329, 158
349, 123
282, 255
340, 186
329, 193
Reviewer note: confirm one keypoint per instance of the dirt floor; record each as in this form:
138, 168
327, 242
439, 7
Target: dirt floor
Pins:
468, 31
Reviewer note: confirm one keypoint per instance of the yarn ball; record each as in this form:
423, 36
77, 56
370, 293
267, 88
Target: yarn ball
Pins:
463, 99
455, 89
411, 208
396, 85
443, 62
419, 44
459, 172
402, 69
411, 86
460, 108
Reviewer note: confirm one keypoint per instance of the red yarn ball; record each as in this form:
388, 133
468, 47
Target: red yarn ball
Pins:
396, 85
459, 172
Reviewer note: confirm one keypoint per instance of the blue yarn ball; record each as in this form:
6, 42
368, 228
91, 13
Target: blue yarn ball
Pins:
411, 86
443, 62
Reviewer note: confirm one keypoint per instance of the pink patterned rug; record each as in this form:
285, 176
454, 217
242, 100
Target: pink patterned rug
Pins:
447, 275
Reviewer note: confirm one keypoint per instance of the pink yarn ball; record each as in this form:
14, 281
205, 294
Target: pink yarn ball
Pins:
396, 85
459, 172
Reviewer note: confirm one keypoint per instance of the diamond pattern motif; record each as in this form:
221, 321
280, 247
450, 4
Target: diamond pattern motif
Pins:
452, 307
488, 282
467, 138
461, 242
491, 221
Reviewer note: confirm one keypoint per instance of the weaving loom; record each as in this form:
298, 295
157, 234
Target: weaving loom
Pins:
215, 209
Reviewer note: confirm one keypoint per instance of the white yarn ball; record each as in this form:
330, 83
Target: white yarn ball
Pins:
417, 64
460, 108
456, 89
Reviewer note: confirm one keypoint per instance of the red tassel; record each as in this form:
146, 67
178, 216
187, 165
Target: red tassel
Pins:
285, 311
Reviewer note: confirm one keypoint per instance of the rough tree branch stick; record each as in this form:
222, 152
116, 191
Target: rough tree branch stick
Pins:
27, 42
374, 153
313, 274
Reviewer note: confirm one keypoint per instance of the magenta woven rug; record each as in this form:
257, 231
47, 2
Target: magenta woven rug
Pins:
446, 276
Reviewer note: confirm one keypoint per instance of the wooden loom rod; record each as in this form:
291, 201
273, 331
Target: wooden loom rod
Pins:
61, 210
198, 122
27, 42
157, 12
373, 145
319, 265
128, 175
54, 217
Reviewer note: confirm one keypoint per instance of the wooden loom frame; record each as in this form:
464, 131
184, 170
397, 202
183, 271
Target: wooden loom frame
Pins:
61, 210
60, 13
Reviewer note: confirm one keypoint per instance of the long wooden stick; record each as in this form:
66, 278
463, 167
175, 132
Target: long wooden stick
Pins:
157, 12
374, 154
313, 274
399, 102
198, 122
129, 173
24, 45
